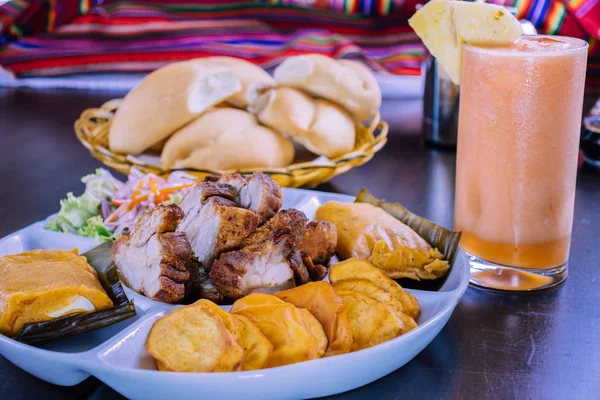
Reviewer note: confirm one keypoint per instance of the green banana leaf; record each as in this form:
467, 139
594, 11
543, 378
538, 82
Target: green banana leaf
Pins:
437, 236
100, 259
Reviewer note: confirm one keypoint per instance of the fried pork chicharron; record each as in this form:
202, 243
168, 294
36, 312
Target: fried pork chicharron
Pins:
227, 238
258, 193
317, 247
213, 224
301, 274
263, 263
153, 260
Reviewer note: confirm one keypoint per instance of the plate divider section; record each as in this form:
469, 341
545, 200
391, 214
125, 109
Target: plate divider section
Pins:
93, 354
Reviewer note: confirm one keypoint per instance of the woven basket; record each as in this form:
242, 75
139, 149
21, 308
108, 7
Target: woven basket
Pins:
93, 126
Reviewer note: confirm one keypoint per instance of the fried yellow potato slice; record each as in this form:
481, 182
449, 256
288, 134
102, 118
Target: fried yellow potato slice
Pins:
370, 290
283, 325
161, 366
315, 327
257, 348
328, 308
231, 323
371, 322
355, 268
258, 299
193, 339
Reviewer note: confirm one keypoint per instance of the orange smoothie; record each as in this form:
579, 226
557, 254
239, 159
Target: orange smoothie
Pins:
518, 135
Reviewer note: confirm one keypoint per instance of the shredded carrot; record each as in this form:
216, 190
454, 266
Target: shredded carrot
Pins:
153, 186
135, 194
165, 194
139, 186
175, 188
160, 196
136, 200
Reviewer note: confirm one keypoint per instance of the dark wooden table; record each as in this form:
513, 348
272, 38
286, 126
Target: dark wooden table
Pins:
543, 346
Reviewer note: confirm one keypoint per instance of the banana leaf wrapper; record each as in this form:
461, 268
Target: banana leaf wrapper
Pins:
100, 259
445, 240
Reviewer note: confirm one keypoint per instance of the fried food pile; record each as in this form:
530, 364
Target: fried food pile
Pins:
226, 239
361, 308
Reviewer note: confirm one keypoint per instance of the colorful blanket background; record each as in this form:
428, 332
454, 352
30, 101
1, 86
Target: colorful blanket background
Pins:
57, 37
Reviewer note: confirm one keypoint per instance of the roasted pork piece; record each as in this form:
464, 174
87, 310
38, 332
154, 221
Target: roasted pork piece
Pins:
152, 259
227, 238
213, 224
263, 263
257, 192
317, 247
216, 225
319, 242
202, 191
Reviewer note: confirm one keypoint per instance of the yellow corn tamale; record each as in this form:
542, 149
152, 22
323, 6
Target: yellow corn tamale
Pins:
41, 285
368, 232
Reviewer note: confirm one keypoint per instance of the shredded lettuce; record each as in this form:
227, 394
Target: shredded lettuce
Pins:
99, 181
74, 212
94, 228
81, 215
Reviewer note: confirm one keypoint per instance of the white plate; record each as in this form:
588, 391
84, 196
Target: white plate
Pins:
116, 354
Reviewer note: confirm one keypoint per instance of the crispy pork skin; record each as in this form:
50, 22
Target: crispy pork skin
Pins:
257, 192
301, 274
204, 190
316, 271
159, 220
263, 262
152, 260
201, 286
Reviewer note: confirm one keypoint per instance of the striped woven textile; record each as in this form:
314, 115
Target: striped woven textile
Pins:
58, 37
367, 7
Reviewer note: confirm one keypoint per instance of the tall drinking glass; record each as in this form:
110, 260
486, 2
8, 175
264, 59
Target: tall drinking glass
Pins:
518, 134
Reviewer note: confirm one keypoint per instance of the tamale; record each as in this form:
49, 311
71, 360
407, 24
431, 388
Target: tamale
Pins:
51, 294
444, 240
368, 230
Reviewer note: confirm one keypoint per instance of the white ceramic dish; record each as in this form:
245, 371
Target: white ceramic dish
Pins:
116, 354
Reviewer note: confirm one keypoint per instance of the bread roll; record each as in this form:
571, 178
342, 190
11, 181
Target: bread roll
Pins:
165, 100
226, 138
252, 77
319, 125
346, 82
